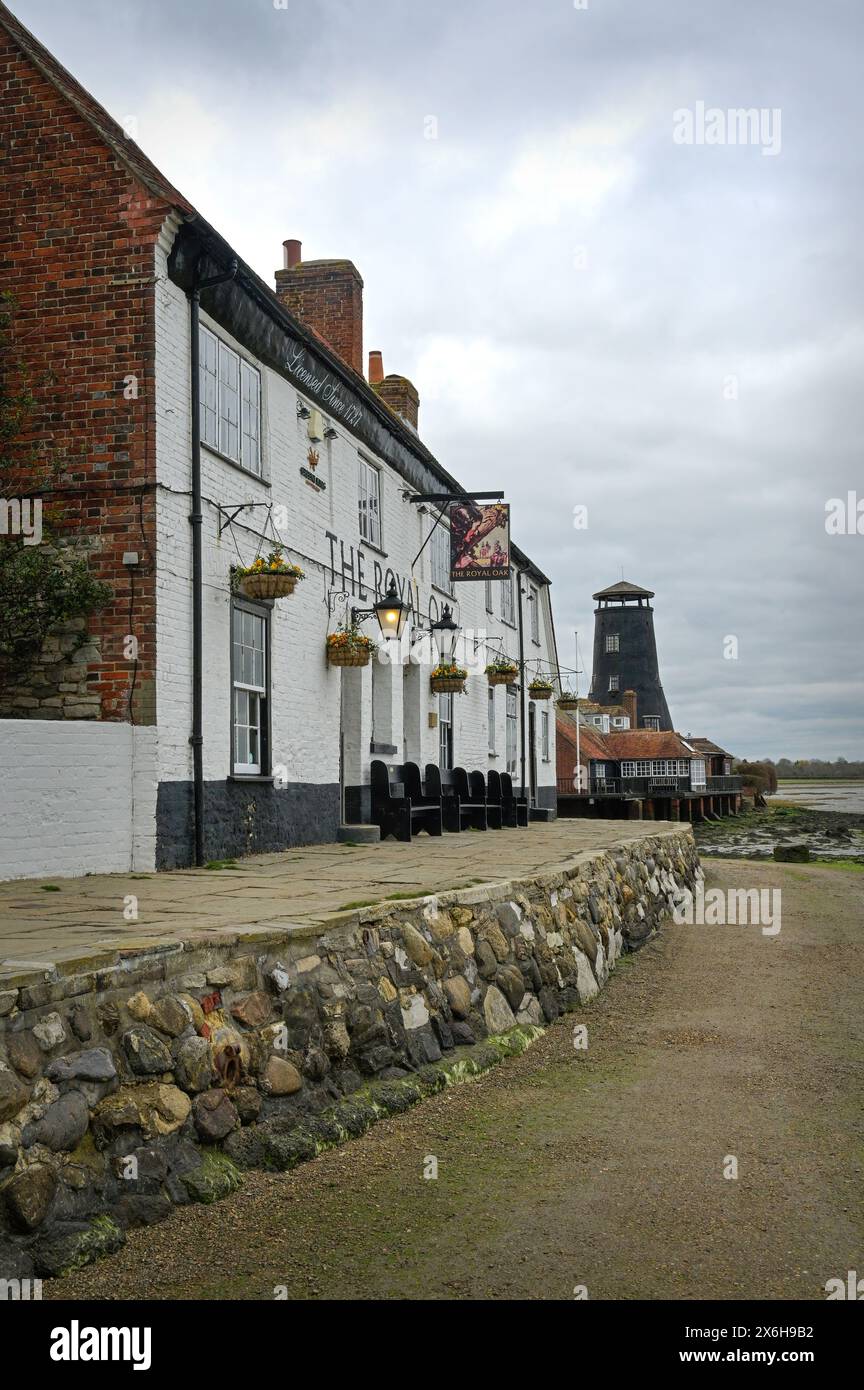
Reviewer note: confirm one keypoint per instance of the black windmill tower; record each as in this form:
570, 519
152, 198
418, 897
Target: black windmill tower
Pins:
625, 654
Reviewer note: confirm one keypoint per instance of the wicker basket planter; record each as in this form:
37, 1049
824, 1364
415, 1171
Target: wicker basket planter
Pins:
568, 702
446, 685
348, 646
267, 584
448, 680
349, 656
273, 577
502, 675
539, 692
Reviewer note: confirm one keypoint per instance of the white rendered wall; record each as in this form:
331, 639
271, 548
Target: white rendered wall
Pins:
306, 696
79, 796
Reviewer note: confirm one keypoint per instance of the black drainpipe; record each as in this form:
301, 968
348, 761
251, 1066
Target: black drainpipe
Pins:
524, 682
196, 521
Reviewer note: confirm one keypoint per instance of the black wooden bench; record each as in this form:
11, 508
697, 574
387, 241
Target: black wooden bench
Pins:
457, 805
480, 792
515, 807
400, 805
495, 797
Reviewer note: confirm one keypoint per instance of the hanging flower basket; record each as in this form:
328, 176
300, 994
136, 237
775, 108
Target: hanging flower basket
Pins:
448, 679
540, 690
347, 646
502, 672
568, 701
273, 577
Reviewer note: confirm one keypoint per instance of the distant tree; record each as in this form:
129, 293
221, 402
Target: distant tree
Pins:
842, 769
760, 776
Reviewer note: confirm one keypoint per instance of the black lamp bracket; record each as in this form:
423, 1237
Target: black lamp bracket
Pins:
229, 514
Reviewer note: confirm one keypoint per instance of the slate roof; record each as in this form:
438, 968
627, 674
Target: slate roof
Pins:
704, 745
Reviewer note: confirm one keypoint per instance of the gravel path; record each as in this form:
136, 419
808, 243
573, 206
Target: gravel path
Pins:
600, 1167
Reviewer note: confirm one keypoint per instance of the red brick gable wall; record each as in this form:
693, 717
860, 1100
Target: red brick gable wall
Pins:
77, 237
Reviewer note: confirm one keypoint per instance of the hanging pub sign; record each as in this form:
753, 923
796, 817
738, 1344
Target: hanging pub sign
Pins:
479, 540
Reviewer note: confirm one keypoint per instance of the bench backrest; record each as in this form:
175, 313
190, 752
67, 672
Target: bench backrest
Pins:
379, 776
461, 784
477, 783
433, 780
493, 784
507, 786
410, 774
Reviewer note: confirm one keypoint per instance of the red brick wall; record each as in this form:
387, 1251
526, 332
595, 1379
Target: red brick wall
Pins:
328, 296
401, 395
565, 748
77, 237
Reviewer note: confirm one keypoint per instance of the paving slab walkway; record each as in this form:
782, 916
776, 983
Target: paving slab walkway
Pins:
46, 921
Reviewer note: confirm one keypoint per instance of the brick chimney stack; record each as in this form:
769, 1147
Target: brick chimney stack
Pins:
628, 700
376, 367
328, 296
401, 396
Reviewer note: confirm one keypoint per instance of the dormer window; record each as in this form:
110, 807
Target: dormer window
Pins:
651, 721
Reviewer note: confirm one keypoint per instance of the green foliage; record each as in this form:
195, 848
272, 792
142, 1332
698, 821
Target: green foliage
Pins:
759, 775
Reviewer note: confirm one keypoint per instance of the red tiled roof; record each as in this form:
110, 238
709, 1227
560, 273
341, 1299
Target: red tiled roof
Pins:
592, 744
647, 743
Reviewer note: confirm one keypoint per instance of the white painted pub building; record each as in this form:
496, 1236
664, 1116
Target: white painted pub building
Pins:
296, 445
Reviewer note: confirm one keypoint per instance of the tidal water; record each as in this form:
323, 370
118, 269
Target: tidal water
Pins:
824, 796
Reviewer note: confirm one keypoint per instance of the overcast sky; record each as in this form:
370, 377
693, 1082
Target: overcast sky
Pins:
594, 314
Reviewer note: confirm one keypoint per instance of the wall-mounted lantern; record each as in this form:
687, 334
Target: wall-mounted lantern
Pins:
390, 611
446, 634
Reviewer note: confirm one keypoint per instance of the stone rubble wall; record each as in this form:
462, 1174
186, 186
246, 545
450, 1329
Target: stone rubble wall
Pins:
153, 1077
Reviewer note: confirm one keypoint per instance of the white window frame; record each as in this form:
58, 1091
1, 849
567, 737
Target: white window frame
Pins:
697, 773
247, 687
230, 410
534, 597
651, 721
512, 728
490, 719
611, 642
614, 682
508, 606
369, 501
487, 585
446, 742
544, 735
440, 558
